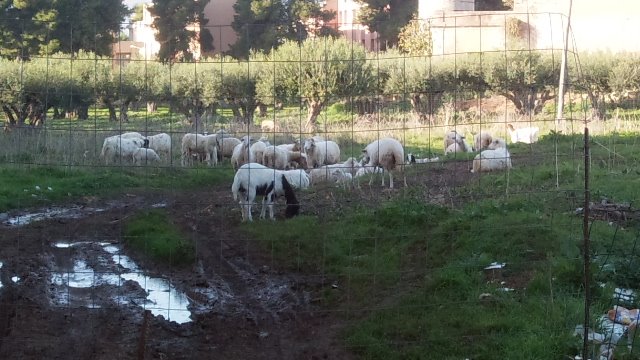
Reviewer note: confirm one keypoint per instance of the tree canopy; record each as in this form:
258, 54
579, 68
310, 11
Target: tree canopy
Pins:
39, 27
387, 17
263, 25
180, 23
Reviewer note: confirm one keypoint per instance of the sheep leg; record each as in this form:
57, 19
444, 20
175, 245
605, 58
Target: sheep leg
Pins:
382, 172
390, 180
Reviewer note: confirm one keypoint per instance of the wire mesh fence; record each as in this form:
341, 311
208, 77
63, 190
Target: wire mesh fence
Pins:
116, 254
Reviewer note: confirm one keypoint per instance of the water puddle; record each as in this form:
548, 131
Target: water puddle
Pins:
86, 284
74, 212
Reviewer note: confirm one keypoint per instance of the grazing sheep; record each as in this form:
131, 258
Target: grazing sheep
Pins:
160, 143
481, 140
226, 144
527, 135
116, 146
321, 152
492, 160
242, 153
144, 156
253, 179
388, 154
199, 145
132, 135
278, 158
298, 178
291, 147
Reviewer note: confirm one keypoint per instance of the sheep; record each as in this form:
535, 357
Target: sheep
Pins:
144, 156
497, 143
226, 144
257, 149
278, 158
458, 147
241, 153
330, 173
527, 135
291, 147
411, 159
298, 178
253, 179
132, 135
117, 146
452, 137
481, 140
197, 144
160, 143
492, 160
388, 154
321, 153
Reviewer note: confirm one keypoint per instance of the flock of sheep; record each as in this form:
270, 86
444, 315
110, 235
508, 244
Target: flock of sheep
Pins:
272, 171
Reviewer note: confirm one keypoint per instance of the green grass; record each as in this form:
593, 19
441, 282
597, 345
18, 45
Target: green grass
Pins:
410, 274
18, 183
153, 234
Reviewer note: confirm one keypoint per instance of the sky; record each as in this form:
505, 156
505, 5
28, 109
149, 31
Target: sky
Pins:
132, 3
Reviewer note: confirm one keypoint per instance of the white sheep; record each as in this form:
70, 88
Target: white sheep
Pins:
160, 143
330, 173
321, 152
278, 158
254, 179
492, 160
226, 144
257, 149
291, 147
388, 154
144, 156
452, 137
242, 153
497, 143
527, 135
199, 145
131, 135
481, 140
458, 147
116, 146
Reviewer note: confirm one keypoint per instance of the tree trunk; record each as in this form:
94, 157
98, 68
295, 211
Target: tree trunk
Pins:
313, 111
152, 106
113, 116
83, 112
597, 105
124, 108
237, 116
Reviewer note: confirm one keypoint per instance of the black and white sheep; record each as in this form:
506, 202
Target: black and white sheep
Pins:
253, 179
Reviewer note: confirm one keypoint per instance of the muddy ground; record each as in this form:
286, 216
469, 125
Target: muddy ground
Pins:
241, 304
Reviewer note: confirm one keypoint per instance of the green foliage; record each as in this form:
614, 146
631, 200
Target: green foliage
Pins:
415, 38
264, 25
173, 20
154, 234
387, 17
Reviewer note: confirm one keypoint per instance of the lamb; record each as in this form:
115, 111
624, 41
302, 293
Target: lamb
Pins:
253, 179
481, 140
527, 135
321, 153
114, 146
242, 153
144, 156
492, 160
278, 158
197, 144
388, 154
330, 173
160, 143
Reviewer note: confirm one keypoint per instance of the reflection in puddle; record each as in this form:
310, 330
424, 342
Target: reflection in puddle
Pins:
161, 297
75, 212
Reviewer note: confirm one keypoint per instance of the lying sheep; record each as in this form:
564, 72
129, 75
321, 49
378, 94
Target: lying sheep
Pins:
452, 137
388, 154
481, 140
144, 156
492, 160
329, 173
321, 152
497, 143
160, 143
242, 153
253, 179
117, 146
198, 145
458, 147
527, 135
